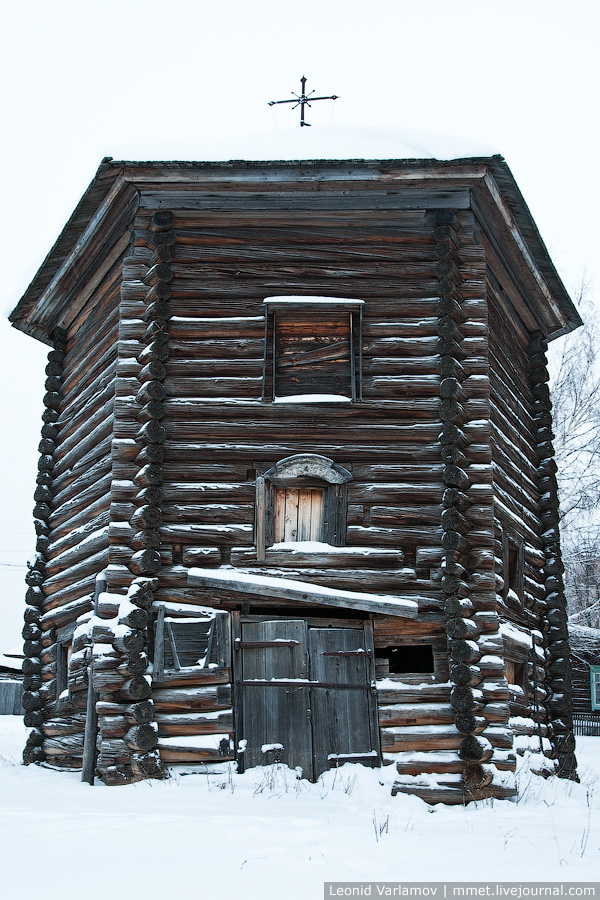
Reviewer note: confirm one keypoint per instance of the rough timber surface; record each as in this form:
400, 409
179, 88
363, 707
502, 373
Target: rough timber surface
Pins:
171, 416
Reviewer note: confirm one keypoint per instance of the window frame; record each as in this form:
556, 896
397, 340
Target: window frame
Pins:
595, 688
440, 671
520, 665
303, 470
319, 306
218, 644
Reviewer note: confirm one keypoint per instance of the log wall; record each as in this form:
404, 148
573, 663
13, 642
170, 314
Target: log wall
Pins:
219, 433
158, 422
72, 516
526, 525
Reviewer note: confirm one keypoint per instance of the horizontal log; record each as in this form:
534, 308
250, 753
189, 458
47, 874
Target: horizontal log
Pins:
206, 698
250, 451
351, 558
88, 546
74, 574
412, 694
71, 538
370, 536
64, 513
73, 482
194, 723
193, 676
58, 727
439, 737
183, 754
69, 611
87, 448
415, 714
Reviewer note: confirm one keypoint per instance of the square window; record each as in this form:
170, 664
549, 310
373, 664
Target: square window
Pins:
182, 643
313, 349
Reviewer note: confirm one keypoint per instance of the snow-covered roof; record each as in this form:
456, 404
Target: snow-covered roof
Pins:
14, 663
335, 142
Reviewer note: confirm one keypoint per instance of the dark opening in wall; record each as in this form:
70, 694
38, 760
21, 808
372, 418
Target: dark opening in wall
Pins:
513, 567
407, 659
516, 675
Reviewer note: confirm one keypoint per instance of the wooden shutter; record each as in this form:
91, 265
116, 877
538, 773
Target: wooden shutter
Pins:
313, 354
298, 514
595, 679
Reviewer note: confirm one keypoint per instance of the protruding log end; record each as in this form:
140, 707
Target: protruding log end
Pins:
161, 220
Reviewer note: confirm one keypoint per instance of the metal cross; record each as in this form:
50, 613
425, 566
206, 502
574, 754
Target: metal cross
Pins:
302, 100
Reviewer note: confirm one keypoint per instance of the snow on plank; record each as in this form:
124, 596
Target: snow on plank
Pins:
232, 579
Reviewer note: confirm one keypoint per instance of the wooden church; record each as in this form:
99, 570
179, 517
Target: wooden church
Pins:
296, 497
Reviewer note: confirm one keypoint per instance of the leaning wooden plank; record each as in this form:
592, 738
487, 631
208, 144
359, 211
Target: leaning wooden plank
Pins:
301, 591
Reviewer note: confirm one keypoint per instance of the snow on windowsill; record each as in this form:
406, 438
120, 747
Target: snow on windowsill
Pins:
306, 299
514, 634
322, 547
313, 398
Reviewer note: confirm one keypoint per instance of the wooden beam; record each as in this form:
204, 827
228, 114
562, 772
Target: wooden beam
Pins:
301, 592
91, 716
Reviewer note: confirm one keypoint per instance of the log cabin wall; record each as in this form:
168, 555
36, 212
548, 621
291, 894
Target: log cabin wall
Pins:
528, 563
219, 433
518, 527
73, 508
558, 683
177, 422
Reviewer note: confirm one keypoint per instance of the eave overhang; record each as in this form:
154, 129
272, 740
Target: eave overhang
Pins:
484, 183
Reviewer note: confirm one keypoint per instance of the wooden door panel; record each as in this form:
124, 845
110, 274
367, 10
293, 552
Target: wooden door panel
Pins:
308, 690
276, 714
341, 716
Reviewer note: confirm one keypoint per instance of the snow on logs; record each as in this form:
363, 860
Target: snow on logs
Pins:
465, 562
125, 712
33, 699
127, 755
559, 705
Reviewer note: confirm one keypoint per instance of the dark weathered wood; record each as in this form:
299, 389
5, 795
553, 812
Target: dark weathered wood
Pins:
91, 717
302, 592
158, 432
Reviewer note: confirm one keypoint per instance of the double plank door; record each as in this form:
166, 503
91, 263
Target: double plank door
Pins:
305, 693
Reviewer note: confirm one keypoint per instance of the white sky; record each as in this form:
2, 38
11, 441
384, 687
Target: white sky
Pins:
81, 83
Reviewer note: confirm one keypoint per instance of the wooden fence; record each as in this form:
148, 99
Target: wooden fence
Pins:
586, 724
10, 698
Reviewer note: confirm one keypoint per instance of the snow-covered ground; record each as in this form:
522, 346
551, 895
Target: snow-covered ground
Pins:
267, 835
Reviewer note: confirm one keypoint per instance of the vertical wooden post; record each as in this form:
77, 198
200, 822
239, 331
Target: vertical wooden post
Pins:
158, 672
260, 518
91, 716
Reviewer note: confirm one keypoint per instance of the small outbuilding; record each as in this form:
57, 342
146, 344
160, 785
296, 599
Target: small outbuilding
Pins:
11, 683
585, 662
296, 496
